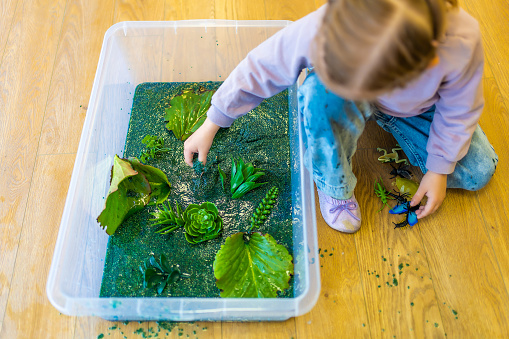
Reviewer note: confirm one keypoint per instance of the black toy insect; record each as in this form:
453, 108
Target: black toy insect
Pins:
400, 198
402, 171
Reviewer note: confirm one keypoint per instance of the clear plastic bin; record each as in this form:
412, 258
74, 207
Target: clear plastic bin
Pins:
187, 51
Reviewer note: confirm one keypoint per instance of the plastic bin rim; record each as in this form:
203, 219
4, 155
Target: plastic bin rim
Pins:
123, 25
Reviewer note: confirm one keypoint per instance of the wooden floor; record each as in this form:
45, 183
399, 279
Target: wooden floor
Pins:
447, 276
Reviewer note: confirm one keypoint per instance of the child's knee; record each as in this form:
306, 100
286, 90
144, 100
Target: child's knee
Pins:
484, 171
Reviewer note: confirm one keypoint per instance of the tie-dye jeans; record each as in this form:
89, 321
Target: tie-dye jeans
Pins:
333, 125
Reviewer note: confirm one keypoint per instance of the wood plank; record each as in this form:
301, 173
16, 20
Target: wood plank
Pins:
7, 10
240, 10
493, 20
288, 9
493, 199
28, 312
25, 74
464, 269
341, 307
198, 9
139, 10
75, 66
400, 298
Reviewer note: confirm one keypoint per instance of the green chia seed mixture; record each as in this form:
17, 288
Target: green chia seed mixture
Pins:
260, 137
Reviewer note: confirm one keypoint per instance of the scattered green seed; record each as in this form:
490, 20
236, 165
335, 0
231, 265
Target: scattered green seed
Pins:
436, 324
100, 336
411, 304
454, 312
395, 282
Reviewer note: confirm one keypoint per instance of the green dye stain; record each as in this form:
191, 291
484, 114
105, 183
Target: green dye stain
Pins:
252, 138
395, 282
388, 284
385, 259
436, 324
411, 304
363, 325
321, 255
379, 286
378, 276
100, 336
325, 251
112, 328
331, 254
454, 312
407, 265
400, 267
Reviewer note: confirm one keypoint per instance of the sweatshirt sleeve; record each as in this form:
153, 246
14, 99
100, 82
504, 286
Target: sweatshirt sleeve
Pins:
267, 70
460, 104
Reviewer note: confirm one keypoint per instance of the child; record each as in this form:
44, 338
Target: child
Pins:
413, 65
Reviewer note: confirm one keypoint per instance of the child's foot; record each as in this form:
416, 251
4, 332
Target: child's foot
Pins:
341, 215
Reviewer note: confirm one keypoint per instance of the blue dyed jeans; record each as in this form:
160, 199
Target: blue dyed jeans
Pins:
333, 125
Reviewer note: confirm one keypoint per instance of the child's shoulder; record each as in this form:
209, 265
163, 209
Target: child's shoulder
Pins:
462, 45
461, 25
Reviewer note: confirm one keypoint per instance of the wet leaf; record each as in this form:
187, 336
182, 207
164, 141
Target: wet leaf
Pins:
157, 179
187, 112
129, 192
258, 268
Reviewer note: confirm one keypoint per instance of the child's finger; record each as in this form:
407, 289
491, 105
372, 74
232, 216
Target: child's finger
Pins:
428, 209
188, 156
418, 196
202, 156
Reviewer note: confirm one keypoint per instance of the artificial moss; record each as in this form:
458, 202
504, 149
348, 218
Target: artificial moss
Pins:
260, 137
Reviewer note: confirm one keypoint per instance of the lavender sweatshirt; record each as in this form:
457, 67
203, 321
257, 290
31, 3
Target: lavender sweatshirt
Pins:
454, 85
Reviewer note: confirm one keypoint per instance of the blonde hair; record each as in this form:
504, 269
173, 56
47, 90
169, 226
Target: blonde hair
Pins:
365, 48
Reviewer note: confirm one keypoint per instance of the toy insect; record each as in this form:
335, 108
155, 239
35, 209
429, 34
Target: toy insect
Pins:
382, 193
410, 218
400, 198
402, 171
391, 157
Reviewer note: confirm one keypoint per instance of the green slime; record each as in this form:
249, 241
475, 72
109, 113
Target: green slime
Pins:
260, 137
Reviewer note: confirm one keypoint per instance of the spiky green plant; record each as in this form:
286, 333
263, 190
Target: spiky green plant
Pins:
165, 215
264, 208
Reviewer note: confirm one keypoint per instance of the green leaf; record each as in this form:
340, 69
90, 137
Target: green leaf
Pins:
243, 178
166, 216
129, 192
246, 187
187, 112
256, 269
159, 274
157, 179
222, 176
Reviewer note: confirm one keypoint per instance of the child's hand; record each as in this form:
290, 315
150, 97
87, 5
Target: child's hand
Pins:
433, 185
200, 142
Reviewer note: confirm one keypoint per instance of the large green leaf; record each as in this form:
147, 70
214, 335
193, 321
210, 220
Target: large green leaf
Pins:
258, 268
157, 179
129, 192
187, 112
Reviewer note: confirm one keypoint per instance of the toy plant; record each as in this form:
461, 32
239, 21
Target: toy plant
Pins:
187, 112
155, 147
202, 222
132, 186
265, 207
159, 274
166, 216
243, 177
252, 265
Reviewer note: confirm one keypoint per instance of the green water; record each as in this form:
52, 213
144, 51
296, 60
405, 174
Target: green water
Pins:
260, 137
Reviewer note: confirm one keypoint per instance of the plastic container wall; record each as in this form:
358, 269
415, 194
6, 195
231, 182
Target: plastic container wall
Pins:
188, 51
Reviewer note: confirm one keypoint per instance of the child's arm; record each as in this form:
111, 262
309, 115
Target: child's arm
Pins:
456, 117
267, 70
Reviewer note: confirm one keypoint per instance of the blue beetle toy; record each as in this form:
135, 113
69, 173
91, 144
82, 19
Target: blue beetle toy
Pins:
410, 218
